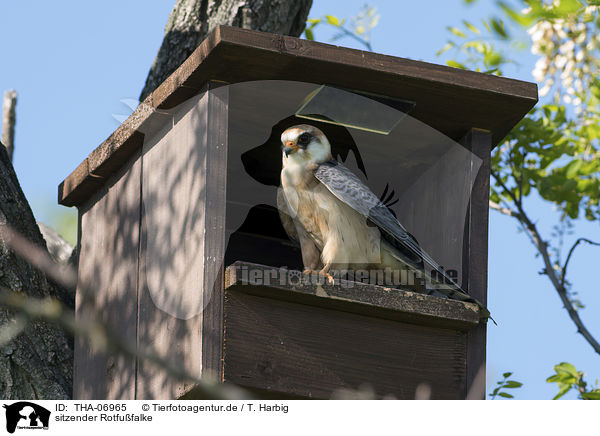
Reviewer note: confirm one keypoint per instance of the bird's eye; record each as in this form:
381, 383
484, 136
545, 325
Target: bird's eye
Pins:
304, 139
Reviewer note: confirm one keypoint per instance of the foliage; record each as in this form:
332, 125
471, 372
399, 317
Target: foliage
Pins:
505, 383
358, 27
555, 150
477, 48
567, 378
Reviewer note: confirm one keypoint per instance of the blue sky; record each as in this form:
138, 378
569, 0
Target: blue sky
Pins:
73, 63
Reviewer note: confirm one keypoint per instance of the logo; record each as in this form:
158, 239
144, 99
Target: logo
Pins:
26, 415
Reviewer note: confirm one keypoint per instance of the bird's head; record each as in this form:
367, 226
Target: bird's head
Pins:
304, 144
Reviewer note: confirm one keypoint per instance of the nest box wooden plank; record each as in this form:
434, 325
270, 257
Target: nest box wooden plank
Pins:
182, 250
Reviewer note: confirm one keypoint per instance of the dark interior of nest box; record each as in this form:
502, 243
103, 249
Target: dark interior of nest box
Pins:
260, 111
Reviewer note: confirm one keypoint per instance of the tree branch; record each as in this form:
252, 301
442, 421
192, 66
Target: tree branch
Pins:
564, 268
9, 121
503, 210
549, 270
351, 34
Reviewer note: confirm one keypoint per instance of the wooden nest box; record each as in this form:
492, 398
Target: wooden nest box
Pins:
182, 250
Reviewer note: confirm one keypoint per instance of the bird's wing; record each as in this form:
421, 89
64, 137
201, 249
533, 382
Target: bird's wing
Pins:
286, 216
347, 187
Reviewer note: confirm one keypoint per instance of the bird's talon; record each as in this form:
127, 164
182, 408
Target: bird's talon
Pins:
328, 276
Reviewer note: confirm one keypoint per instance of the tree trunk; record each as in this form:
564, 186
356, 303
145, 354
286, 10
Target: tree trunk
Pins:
191, 20
38, 363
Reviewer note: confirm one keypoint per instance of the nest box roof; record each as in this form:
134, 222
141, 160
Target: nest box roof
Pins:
448, 99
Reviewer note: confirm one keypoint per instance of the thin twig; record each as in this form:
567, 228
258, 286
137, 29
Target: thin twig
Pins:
564, 268
542, 248
351, 34
520, 190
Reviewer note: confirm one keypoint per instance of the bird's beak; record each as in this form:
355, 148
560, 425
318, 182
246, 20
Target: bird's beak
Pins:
290, 148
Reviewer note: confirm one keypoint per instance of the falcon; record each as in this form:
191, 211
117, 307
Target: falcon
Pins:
340, 224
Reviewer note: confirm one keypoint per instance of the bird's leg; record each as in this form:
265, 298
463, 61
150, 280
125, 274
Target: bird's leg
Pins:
325, 273
310, 253
322, 272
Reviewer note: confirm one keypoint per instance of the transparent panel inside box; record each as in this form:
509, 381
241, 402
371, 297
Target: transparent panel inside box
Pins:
371, 194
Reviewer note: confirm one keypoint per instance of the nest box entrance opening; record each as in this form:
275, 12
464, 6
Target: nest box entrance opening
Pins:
422, 176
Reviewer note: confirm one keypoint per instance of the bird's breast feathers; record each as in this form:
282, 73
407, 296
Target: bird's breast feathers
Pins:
340, 232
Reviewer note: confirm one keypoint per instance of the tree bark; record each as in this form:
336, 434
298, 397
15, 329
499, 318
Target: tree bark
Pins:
191, 20
38, 363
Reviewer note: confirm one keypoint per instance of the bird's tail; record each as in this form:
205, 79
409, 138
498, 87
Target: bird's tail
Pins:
450, 289
437, 280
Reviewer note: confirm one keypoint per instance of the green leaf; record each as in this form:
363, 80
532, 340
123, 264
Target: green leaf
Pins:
563, 390
455, 64
567, 368
456, 31
593, 395
512, 384
562, 378
498, 27
554, 379
522, 19
472, 28
445, 48
309, 34
492, 59
334, 21
568, 7
487, 26
492, 71
507, 374
313, 20
479, 46
573, 167
505, 395
374, 21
